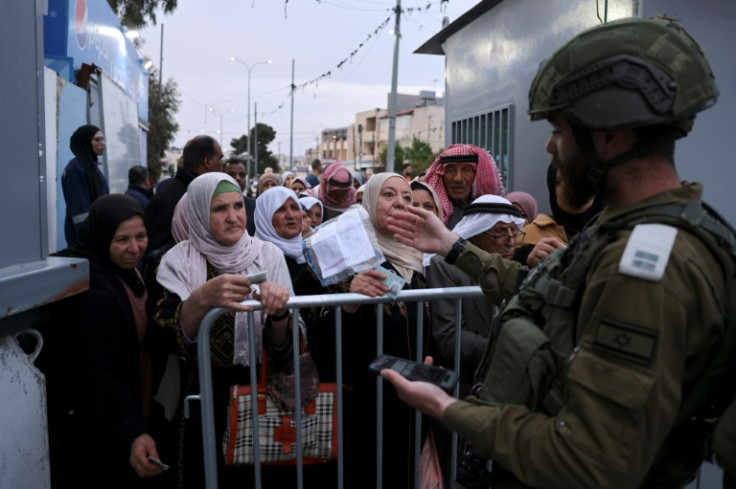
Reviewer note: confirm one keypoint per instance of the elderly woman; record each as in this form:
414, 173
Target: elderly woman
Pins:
208, 270
279, 221
111, 346
335, 190
384, 194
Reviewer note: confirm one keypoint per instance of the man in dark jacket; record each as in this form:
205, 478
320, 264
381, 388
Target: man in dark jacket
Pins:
139, 185
202, 154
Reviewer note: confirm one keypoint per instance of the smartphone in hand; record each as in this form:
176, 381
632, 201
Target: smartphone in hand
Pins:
411, 370
156, 461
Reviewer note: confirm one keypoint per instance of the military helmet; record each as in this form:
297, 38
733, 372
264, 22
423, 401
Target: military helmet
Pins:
626, 73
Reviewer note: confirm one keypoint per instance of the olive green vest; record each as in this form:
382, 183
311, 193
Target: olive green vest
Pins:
533, 341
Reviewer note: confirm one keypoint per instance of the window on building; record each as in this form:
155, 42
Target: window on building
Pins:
490, 131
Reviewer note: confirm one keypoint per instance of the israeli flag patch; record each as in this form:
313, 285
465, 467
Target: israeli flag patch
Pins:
648, 251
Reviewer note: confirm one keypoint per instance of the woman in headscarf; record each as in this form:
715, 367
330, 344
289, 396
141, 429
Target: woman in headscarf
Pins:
267, 181
526, 204
82, 182
314, 208
425, 197
210, 270
359, 179
286, 178
384, 193
112, 349
336, 190
299, 185
279, 221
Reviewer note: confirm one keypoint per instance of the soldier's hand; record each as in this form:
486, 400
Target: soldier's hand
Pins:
428, 398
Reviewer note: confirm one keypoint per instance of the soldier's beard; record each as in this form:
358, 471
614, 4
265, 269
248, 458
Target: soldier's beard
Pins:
575, 187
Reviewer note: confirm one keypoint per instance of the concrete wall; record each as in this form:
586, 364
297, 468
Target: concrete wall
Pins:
492, 61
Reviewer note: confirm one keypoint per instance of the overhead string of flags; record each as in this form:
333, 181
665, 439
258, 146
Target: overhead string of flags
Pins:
354, 52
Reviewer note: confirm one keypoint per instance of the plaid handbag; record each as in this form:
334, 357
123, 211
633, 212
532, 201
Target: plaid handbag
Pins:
277, 426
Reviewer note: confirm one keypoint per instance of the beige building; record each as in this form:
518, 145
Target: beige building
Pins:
359, 144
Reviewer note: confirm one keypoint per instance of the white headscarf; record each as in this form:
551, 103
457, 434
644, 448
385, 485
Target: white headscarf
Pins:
309, 202
474, 224
266, 206
404, 258
184, 267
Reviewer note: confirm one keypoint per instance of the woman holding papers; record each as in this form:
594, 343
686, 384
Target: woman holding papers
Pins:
384, 193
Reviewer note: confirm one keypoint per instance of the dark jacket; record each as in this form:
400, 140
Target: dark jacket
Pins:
78, 195
142, 195
358, 350
160, 210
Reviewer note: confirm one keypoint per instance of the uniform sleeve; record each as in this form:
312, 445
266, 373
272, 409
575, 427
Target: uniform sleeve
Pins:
639, 342
498, 278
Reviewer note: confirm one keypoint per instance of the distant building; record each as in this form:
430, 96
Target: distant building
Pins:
359, 144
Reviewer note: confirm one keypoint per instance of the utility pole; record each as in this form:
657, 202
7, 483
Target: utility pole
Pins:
255, 132
161, 65
291, 135
390, 151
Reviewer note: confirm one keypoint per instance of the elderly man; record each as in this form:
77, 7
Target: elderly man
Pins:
605, 367
462, 173
494, 225
202, 154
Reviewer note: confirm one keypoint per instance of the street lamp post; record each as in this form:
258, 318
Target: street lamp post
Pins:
249, 68
221, 115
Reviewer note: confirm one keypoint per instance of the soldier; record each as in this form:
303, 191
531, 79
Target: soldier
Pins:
614, 336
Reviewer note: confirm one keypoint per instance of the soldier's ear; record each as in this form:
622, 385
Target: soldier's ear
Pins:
611, 143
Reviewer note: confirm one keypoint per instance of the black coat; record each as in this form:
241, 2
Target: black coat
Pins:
358, 349
160, 210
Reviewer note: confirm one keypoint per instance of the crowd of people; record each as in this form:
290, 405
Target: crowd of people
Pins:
580, 367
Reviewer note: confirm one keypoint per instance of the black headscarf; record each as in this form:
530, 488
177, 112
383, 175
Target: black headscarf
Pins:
573, 223
97, 231
81, 145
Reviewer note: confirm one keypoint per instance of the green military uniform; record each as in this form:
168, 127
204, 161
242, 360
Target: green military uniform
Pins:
637, 344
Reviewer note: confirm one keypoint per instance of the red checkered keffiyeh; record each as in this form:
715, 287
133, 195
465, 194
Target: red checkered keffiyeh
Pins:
336, 176
487, 178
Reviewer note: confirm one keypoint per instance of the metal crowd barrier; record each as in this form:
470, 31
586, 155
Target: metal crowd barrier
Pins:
324, 300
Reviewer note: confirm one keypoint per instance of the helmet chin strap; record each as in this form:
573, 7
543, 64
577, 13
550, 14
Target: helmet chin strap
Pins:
599, 168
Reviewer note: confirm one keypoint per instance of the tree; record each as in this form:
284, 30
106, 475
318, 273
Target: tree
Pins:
420, 155
398, 157
161, 123
265, 135
137, 13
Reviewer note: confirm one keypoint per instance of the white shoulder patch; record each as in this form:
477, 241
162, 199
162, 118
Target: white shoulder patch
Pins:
648, 251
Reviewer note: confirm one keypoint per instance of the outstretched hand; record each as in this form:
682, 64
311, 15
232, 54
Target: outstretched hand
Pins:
428, 398
422, 230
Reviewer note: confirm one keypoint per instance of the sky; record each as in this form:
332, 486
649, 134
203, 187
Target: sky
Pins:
199, 38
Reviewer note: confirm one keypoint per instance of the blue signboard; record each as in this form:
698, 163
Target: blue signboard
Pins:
87, 31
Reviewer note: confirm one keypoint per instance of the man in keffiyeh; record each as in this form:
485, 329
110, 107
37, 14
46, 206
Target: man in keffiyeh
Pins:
336, 190
461, 173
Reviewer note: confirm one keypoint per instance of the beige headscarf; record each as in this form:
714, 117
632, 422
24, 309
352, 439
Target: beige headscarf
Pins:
404, 258
184, 267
